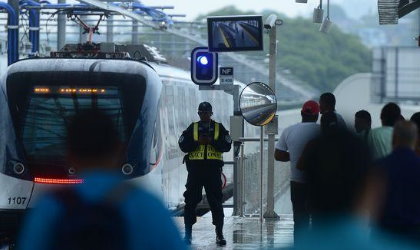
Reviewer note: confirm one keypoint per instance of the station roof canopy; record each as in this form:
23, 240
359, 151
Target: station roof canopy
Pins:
392, 10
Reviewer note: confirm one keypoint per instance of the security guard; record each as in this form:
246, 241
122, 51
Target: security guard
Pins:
204, 141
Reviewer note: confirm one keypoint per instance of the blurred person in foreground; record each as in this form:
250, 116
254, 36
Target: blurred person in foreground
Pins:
362, 124
399, 209
289, 148
380, 139
327, 105
337, 169
137, 219
416, 119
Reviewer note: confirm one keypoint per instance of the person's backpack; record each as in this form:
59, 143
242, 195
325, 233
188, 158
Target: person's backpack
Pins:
85, 225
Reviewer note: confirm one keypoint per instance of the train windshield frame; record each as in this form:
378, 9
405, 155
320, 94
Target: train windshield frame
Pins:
36, 97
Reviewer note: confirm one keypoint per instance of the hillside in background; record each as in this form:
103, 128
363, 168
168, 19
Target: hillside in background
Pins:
319, 60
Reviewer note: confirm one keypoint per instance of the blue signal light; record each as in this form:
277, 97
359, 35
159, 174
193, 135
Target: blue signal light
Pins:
203, 60
203, 66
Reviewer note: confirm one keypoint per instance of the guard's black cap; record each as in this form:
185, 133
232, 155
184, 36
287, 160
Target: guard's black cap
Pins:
205, 106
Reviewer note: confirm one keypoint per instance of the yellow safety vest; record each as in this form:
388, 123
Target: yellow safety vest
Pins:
200, 152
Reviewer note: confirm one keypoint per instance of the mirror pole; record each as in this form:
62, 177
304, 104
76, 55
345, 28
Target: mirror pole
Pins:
238, 187
261, 172
269, 213
242, 175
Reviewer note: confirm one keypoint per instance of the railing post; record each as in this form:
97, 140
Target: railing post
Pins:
242, 184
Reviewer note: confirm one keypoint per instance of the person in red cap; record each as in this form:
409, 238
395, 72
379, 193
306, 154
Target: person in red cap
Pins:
289, 148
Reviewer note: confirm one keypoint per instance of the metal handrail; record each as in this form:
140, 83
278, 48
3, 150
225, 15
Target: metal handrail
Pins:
252, 139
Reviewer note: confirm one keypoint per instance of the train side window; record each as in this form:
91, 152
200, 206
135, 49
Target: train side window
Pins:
171, 115
155, 152
191, 105
183, 106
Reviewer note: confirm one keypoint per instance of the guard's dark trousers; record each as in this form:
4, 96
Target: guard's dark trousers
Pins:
202, 174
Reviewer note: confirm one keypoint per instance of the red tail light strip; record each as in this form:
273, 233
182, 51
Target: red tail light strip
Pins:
57, 181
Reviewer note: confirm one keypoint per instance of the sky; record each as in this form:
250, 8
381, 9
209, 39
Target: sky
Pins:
193, 8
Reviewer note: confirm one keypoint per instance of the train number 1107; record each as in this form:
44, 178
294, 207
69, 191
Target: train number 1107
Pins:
17, 200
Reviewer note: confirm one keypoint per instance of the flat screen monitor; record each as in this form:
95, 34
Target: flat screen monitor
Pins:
235, 33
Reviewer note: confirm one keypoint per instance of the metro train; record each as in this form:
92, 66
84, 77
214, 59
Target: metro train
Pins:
150, 103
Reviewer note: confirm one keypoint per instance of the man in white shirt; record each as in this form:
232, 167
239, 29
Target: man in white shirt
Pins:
289, 148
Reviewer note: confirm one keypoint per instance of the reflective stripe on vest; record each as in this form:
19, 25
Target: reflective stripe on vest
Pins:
199, 153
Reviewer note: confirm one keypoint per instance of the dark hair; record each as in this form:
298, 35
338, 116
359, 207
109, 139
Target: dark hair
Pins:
416, 119
390, 114
328, 99
92, 134
363, 114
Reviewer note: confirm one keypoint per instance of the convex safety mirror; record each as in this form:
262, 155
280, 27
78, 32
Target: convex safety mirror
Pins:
258, 103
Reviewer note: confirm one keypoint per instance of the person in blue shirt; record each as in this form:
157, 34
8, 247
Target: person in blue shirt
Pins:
337, 166
342, 194
399, 210
416, 119
93, 148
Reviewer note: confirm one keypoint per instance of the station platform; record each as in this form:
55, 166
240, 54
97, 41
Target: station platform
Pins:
242, 232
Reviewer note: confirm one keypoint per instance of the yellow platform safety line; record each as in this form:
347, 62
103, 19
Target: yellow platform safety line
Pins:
268, 120
225, 41
250, 35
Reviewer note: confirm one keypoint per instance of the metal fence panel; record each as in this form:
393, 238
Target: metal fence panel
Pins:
251, 185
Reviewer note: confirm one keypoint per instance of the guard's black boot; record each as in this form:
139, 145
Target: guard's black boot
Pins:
188, 234
220, 240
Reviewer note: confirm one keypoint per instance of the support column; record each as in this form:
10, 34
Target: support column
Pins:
110, 29
15, 6
82, 37
135, 34
61, 28
12, 57
417, 28
269, 213
237, 172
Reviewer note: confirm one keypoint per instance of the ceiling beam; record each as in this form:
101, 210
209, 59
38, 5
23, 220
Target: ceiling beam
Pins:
408, 8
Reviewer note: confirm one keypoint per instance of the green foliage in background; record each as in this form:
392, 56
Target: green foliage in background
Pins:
321, 60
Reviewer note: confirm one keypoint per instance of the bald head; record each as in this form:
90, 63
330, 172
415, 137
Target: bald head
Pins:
405, 134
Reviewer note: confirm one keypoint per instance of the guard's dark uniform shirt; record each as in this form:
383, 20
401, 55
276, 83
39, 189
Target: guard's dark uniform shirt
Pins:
204, 165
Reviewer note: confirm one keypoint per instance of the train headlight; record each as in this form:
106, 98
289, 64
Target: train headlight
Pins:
127, 169
18, 168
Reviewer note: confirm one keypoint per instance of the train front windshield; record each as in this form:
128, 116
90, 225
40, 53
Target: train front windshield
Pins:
42, 106
44, 123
